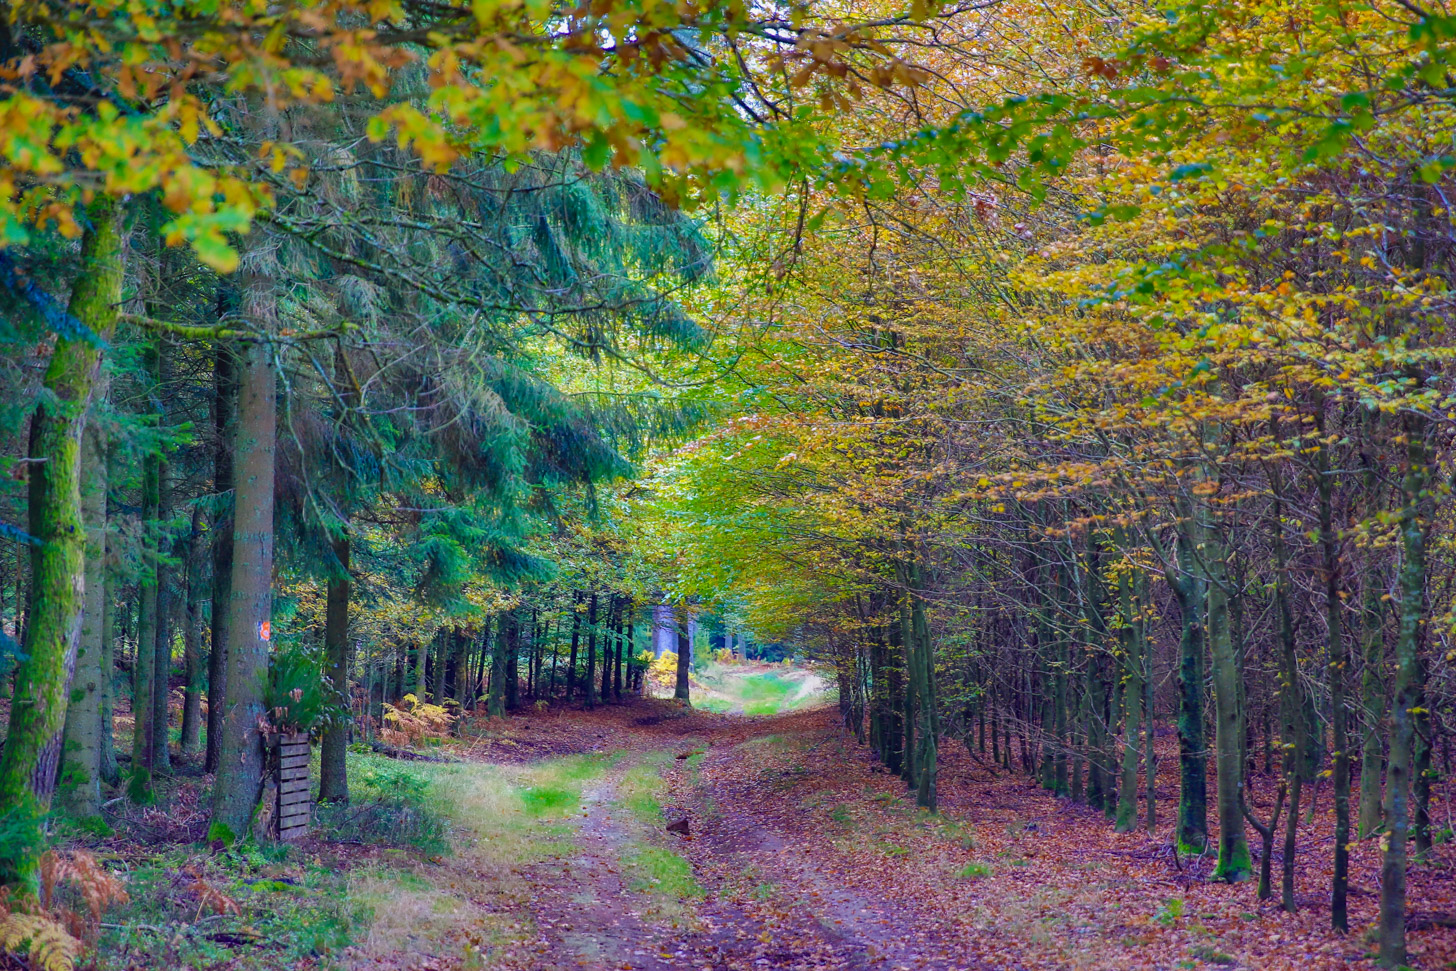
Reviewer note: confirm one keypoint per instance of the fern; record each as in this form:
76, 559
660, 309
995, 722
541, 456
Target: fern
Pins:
414, 722
50, 936
39, 938
211, 898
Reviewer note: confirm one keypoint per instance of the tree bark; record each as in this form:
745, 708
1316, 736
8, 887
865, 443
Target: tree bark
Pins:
224, 413
333, 775
496, 706
110, 772
240, 765
32, 751
166, 611
84, 727
1233, 865
1340, 768
1192, 757
575, 640
192, 641
927, 757
1132, 698
143, 703
684, 660
1405, 695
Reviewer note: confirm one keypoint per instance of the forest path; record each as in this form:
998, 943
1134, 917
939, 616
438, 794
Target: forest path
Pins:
804, 854
741, 892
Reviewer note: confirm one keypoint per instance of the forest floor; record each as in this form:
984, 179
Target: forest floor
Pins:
542, 843
802, 854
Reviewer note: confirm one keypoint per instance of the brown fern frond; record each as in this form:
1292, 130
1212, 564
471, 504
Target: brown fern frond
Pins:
54, 869
99, 887
42, 940
210, 898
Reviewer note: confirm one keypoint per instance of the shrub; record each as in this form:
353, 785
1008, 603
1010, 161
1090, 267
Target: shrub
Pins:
299, 696
396, 814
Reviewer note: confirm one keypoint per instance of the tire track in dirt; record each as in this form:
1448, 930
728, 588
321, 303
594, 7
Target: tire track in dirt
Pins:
806, 918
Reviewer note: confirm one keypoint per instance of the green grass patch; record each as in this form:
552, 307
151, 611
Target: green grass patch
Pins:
637, 791
656, 870
543, 800
974, 871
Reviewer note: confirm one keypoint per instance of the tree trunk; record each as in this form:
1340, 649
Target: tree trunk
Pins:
1132, 698
513, 661
496, 705
1233, 864
143, 702
1405, 696
240, 765
191, 641
1192, 834
166, 614
224, 413
684, 660
911, 680
110, 772
1150, 763
1340, 768
333, 776
1372, 697
1292, 703
32, 750
84, 727
589, 689
608, 648
575, 640
927, 758
460, 678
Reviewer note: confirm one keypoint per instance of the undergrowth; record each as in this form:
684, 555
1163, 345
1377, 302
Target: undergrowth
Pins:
391, 807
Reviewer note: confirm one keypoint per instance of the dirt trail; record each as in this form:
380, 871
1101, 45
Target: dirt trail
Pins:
811, 857
767, 903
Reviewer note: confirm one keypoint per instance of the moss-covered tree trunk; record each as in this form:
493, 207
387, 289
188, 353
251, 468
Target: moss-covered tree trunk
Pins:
1150, 759
240, 763
909, 702
32, 752
84, 728
333, 776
